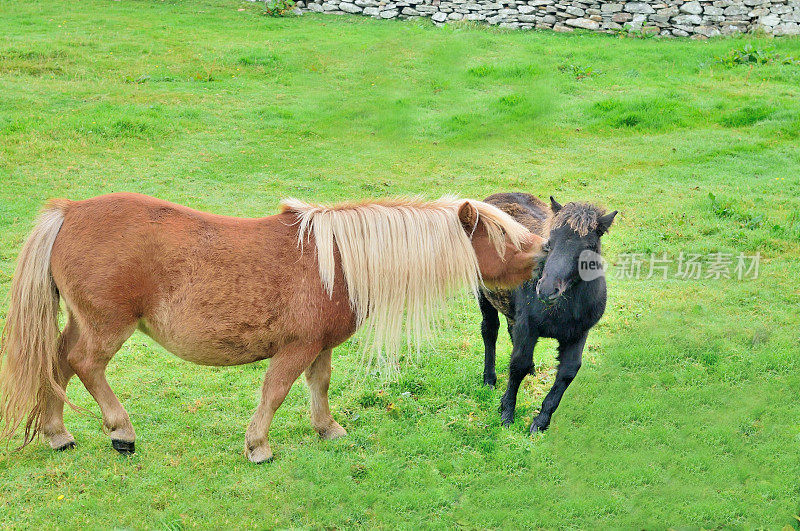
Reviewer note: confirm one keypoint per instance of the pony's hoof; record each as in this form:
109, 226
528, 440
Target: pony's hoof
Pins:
123, 447
489, 382
506, 415
68, 446
260, 455
536, 428
333, 431
61, 441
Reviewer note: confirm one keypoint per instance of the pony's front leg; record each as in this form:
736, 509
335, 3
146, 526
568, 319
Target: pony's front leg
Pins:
569, 362
284, 368
489, 326
318, 378
520, 366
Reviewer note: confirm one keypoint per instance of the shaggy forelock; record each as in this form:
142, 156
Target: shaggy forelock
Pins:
580, 217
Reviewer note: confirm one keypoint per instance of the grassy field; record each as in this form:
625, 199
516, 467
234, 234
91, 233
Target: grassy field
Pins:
686, 411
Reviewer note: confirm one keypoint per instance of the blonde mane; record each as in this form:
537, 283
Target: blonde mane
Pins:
401, 258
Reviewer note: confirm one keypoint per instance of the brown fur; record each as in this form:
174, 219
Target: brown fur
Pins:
211, 289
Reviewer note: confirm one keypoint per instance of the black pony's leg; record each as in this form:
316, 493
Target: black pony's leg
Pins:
520, 366
569, 362
489, 327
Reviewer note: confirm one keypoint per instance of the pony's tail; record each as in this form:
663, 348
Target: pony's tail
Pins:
29, 344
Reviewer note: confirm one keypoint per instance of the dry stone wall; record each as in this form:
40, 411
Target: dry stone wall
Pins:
697, 18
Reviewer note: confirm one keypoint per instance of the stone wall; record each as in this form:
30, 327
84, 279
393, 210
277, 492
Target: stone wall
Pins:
703, 18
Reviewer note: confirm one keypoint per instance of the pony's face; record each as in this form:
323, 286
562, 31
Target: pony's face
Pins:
565, 249
514, 266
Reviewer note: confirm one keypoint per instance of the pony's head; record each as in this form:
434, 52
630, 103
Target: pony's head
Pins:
507, 252
573, 243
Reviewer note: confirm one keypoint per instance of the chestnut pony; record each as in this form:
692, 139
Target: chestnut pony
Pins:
219, 290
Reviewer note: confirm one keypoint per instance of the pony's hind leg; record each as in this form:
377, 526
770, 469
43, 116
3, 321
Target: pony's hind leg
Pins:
53, 409
284, 368
89, 359
318, 378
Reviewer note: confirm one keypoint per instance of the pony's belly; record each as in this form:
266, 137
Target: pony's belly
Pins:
212, 349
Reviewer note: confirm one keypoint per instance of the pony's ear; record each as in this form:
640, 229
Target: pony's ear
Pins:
554, 205
604, 223
468, 215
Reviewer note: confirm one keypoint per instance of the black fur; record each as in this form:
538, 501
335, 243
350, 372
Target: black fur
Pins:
556, 304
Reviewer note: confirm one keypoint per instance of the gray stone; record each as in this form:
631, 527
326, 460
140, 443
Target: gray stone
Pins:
527, 18
561, 28
736, 10
686, 20
549, 19
621, 18
526, 10
575, 11
638, 20
439, 17
639, 7
583, 23
317, 8
409, 12
347, 7
391, 13
712, 10
327, 6
371, 11
789, 28
693, 8
455, 16
770, 20
707, 31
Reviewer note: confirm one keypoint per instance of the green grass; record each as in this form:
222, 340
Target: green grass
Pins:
686, 411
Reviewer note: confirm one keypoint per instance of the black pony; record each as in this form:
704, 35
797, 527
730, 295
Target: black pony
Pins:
564, 302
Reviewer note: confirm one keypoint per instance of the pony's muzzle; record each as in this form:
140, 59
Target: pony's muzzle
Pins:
548, 290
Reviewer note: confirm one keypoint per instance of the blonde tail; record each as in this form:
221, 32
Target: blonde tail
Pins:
29, 347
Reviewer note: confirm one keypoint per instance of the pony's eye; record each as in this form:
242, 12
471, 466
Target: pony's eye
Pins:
546, 247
